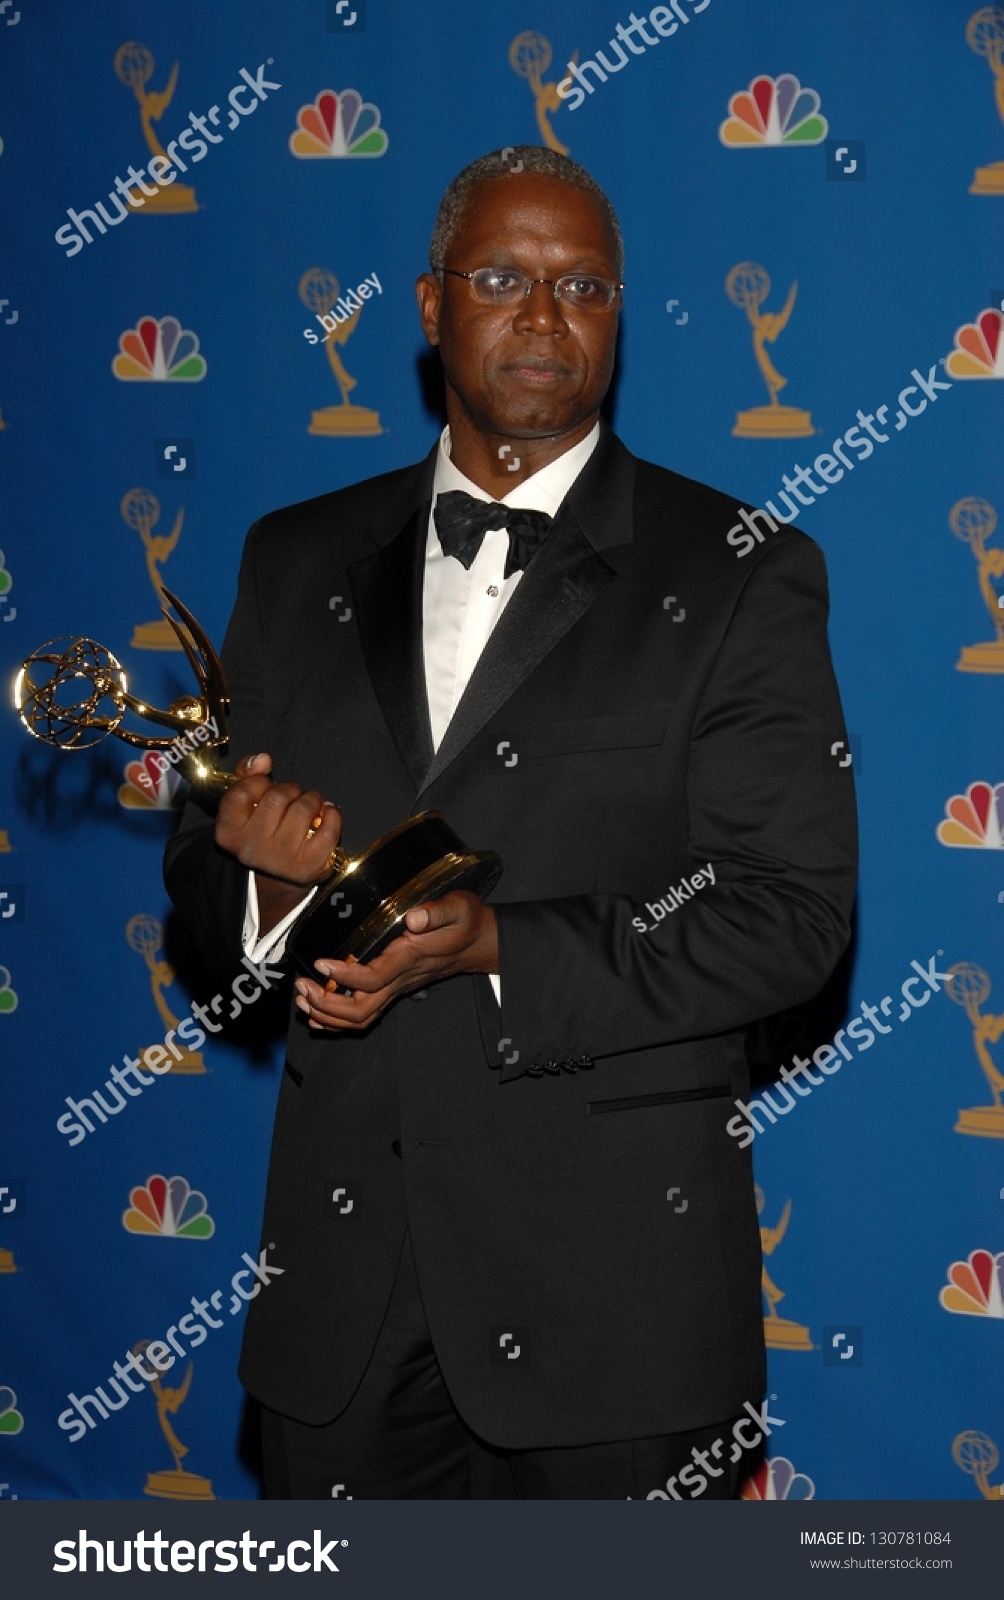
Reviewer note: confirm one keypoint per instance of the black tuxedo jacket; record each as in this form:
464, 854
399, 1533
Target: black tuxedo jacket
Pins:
648, 703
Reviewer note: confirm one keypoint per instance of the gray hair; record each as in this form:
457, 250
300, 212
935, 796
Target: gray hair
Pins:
536, 159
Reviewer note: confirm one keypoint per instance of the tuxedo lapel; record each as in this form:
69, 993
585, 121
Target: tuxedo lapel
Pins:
561, 583
558, 587
387, 590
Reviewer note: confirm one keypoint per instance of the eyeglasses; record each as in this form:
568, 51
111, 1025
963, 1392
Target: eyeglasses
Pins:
504, 286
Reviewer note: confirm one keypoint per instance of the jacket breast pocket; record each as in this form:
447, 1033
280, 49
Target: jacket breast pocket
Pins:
624, 731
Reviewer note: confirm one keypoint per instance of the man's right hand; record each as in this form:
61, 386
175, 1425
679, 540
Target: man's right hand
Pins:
267, 827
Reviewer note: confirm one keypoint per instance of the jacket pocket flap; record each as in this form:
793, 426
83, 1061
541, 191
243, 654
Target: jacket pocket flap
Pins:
665, 1097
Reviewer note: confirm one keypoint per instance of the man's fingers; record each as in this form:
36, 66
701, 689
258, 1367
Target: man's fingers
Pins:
310, 829
336, 1010
369, 978
403, 957
239, 802
451, 918
277, 801
259, 765
443, 913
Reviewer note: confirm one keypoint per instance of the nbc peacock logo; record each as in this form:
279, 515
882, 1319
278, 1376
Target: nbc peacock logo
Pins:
11, 1420
979, 347
974, 820
169, 1207
150, 783
773, 111
159, 350
777, 1480
975, 1288
337, 124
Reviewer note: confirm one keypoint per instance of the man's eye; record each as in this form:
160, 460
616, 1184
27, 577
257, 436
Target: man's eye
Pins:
503, 282
581, 288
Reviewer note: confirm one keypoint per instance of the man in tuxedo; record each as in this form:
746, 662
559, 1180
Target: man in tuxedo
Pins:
519, 1246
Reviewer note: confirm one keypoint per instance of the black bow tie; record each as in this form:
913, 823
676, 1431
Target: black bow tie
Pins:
462, 522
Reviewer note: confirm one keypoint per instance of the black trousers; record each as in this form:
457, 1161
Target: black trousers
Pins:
402, 1438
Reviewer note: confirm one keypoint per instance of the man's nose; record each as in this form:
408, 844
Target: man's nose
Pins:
541, 310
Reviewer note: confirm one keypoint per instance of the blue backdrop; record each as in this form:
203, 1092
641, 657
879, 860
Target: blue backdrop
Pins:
158, 393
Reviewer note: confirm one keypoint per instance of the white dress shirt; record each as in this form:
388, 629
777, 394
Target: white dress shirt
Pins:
460, 607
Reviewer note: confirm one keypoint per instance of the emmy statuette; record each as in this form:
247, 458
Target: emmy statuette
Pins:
361, 904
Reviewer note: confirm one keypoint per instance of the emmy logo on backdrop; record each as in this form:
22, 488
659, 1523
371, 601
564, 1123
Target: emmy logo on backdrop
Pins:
319, 292
529, 56
141, 510
6, 585
175, 1483
8, 995
973, 521
748, 286
969, 987
146, 937
976, 1454
985, 35
779, 1333
134, 66
7, 1263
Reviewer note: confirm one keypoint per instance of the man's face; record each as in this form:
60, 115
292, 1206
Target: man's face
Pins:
539, 367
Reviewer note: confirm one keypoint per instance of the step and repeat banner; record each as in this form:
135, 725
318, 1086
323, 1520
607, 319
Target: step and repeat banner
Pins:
214, 219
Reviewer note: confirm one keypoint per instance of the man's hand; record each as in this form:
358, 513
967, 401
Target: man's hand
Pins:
267, 826
442, 938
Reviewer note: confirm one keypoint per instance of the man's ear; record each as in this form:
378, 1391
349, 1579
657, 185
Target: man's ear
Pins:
428, 293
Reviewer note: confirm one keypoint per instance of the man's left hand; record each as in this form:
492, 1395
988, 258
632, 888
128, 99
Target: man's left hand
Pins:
442, 938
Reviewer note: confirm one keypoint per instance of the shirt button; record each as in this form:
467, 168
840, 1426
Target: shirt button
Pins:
492, 590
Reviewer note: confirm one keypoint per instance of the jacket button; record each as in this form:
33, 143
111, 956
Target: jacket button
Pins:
396, 1147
